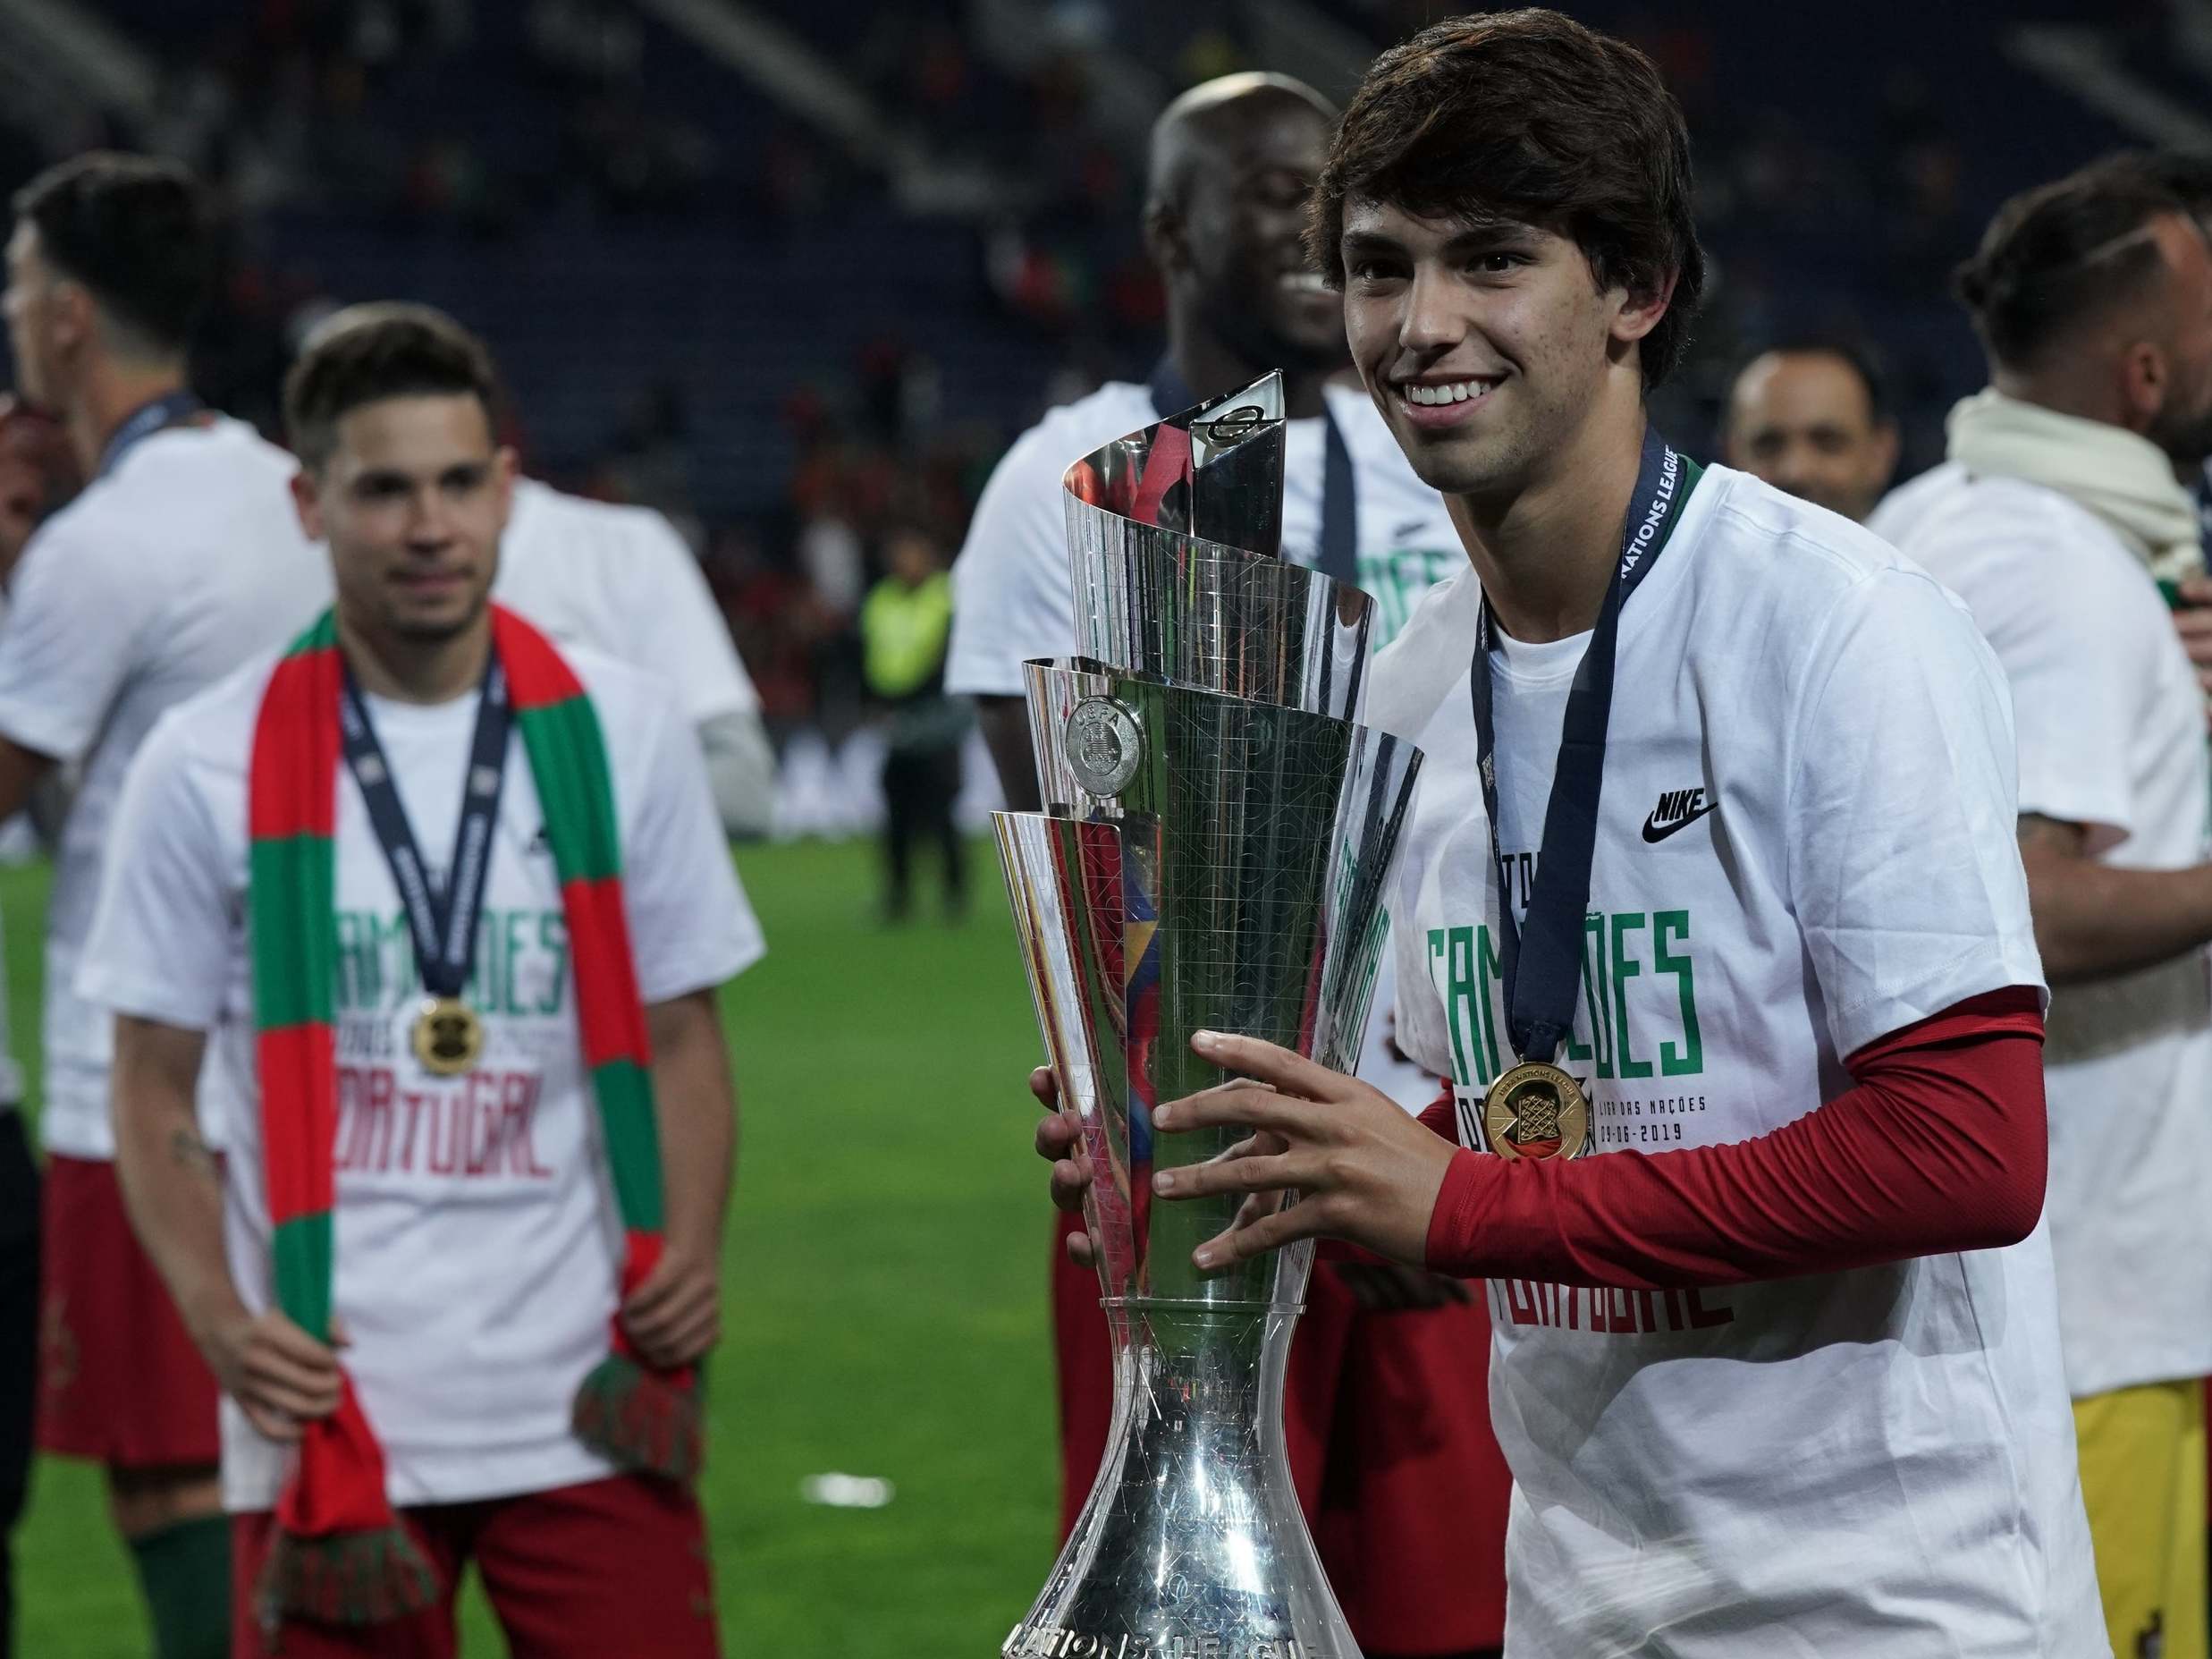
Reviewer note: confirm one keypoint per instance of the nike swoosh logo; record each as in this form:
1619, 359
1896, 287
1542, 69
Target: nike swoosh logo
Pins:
1654, 831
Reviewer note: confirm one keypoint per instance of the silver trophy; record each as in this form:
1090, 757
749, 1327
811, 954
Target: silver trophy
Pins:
1216, 834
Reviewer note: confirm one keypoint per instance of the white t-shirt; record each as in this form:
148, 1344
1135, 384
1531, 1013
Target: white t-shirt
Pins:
476, 1237
184, 562
622, 581
2111, 724
1805, 842
1012, 599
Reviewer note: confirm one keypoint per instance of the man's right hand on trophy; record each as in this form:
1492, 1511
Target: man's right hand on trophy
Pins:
1071, 1177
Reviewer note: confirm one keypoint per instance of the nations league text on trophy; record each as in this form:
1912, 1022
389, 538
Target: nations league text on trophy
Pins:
1212, 855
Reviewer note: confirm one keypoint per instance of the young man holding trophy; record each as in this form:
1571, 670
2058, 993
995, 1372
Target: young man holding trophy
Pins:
1232, 163
1711, 908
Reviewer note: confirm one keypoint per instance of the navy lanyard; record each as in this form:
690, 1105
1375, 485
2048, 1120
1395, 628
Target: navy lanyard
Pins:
174, 410
1541, 964
1338, 556
441, 919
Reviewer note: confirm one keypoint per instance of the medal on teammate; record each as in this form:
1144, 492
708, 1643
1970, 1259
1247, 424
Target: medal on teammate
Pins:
1535, 1110
447, 1036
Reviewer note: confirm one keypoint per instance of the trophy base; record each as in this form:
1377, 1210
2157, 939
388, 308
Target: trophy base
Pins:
1192, 1545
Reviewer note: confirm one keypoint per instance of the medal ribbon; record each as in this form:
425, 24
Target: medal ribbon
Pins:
1338, 556
441, 916
1541, 963
176, 409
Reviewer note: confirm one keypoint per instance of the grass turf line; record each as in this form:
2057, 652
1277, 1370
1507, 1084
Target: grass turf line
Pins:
885, 1293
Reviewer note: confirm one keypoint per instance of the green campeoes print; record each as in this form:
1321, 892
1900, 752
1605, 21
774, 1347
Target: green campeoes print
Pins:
1636, 1017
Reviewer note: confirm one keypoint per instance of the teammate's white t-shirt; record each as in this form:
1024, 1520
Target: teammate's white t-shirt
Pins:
1805, 842
475, 1237
2111, 724
621, 580
184, 561
1012, 600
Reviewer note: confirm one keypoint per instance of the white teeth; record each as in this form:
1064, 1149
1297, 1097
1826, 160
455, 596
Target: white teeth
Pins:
1456, 392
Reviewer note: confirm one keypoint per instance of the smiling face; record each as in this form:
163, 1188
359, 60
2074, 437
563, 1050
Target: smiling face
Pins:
1487, 347
1233, 250
412, 500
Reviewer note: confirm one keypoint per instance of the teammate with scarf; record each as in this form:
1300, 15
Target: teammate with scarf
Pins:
479, 1105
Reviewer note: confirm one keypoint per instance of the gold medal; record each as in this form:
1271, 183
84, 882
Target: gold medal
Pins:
447, 1036
1536, 1111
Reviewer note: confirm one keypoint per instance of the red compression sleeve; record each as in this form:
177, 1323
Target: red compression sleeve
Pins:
1437, 1117
1938, 1147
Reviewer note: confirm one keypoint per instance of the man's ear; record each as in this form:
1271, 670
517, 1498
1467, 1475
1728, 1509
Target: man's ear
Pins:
505, 468
1167, 240
2144, 376
307, 501
73, 315
1886, 451
1641, 309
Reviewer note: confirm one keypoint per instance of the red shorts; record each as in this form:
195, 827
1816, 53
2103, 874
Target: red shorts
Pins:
119, 1381
610, 1567
1388, 1425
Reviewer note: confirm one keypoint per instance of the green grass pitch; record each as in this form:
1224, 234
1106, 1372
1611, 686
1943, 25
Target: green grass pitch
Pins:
884, 1282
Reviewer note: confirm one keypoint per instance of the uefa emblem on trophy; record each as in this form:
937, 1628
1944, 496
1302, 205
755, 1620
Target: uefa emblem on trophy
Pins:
1217, 836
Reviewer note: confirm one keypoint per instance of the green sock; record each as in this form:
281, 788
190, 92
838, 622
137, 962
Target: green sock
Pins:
185, 1571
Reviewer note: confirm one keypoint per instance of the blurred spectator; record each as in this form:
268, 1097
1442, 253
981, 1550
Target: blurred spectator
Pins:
36, 475
904, 628
1813, 417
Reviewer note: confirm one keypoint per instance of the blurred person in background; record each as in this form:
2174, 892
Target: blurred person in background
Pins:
905, 624
1813, 417
2059, 501
1232, 164
32, 473
36, 477
2190, 177
622, 581
495, 1185
180, 559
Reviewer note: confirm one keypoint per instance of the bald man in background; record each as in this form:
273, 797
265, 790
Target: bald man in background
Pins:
1813, 417
1393, 1454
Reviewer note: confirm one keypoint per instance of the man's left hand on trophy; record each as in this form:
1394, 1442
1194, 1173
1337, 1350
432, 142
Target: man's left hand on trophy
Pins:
1366, 1171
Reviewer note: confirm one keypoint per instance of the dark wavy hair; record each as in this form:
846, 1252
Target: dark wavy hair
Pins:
137, 232
392, 351
2064, 254
1528, 115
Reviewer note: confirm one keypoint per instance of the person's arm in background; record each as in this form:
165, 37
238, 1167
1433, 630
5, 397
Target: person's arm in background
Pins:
1005, 723
675, 1314
691, 930
676, 629
741, 770
2072, 659
65, 644
1010, 602
172, 1188
2192, 620
161, 953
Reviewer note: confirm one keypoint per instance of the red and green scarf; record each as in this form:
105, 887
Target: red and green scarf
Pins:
342, 1556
